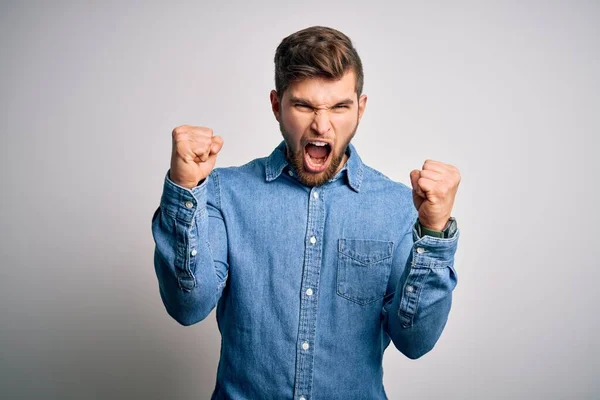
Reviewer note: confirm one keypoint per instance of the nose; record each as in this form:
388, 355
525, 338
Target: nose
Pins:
321, 124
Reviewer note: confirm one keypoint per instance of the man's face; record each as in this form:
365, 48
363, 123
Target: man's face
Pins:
318, 117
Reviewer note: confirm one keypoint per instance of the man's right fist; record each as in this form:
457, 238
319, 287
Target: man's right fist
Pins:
194, 154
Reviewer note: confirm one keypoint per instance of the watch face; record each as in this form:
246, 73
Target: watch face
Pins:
450, 228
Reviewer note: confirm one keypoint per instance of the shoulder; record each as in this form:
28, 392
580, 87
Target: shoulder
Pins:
251, 170
227, 182
238, 179
374, 179
386, 193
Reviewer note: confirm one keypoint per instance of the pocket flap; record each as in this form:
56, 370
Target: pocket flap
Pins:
366, 251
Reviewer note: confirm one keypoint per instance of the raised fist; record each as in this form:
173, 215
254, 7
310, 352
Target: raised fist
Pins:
194, 154
434, 190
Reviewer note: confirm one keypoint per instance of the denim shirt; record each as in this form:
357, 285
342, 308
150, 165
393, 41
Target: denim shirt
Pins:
310, 284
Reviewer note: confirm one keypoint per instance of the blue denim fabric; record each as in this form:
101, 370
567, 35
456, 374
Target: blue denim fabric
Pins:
310, 284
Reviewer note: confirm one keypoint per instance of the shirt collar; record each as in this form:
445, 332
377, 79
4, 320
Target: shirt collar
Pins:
354, 167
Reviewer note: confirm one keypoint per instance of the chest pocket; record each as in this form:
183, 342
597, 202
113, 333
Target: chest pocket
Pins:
363, 269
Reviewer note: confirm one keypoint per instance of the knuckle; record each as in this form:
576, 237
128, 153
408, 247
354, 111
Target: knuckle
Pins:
456, 175
179, 132
203, 130
180, 129
204, 133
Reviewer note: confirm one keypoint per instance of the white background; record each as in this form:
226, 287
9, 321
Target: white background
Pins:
509, 92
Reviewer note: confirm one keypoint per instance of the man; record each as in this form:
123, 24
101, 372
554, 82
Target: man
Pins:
314, 260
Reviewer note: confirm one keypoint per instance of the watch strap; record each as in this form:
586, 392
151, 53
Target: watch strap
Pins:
448, 231
431, 232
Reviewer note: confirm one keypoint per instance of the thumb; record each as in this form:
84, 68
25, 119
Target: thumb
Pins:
415, 174
217, 144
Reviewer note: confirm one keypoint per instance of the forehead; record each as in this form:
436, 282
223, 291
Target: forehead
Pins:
323, 91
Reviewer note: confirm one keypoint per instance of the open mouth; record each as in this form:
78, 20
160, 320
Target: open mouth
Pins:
316, 156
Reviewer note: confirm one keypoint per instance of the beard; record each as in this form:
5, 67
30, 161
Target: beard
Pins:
296, 159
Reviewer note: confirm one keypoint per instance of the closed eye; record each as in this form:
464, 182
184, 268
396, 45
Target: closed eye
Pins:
340, 108
303, 106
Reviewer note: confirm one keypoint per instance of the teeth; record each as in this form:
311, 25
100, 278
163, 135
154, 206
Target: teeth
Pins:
319, 143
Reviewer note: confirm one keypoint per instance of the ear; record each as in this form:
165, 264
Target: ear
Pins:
362, 104
275, 104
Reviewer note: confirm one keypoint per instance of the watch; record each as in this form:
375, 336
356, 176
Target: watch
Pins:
447, 232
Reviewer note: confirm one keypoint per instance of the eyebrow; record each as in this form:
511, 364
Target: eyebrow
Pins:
295, 99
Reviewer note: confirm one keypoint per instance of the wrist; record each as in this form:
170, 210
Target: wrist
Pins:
446, 232
184, 184
424, 231
437, 227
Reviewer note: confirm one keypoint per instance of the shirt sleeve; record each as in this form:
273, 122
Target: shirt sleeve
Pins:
416, 315
190, 256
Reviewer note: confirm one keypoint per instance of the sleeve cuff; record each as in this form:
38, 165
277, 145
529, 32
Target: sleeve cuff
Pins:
182, 203
434, 250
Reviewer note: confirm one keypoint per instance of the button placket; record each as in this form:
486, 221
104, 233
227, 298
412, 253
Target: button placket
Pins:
309, 302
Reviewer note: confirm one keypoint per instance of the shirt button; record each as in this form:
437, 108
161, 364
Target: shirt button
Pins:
313, 239
290, 173
305, 345
409, 288
194, 252
420, 250
302, 398
189, 204
309, 292
316, 195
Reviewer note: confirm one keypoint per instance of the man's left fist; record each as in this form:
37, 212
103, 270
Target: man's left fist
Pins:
434, 189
